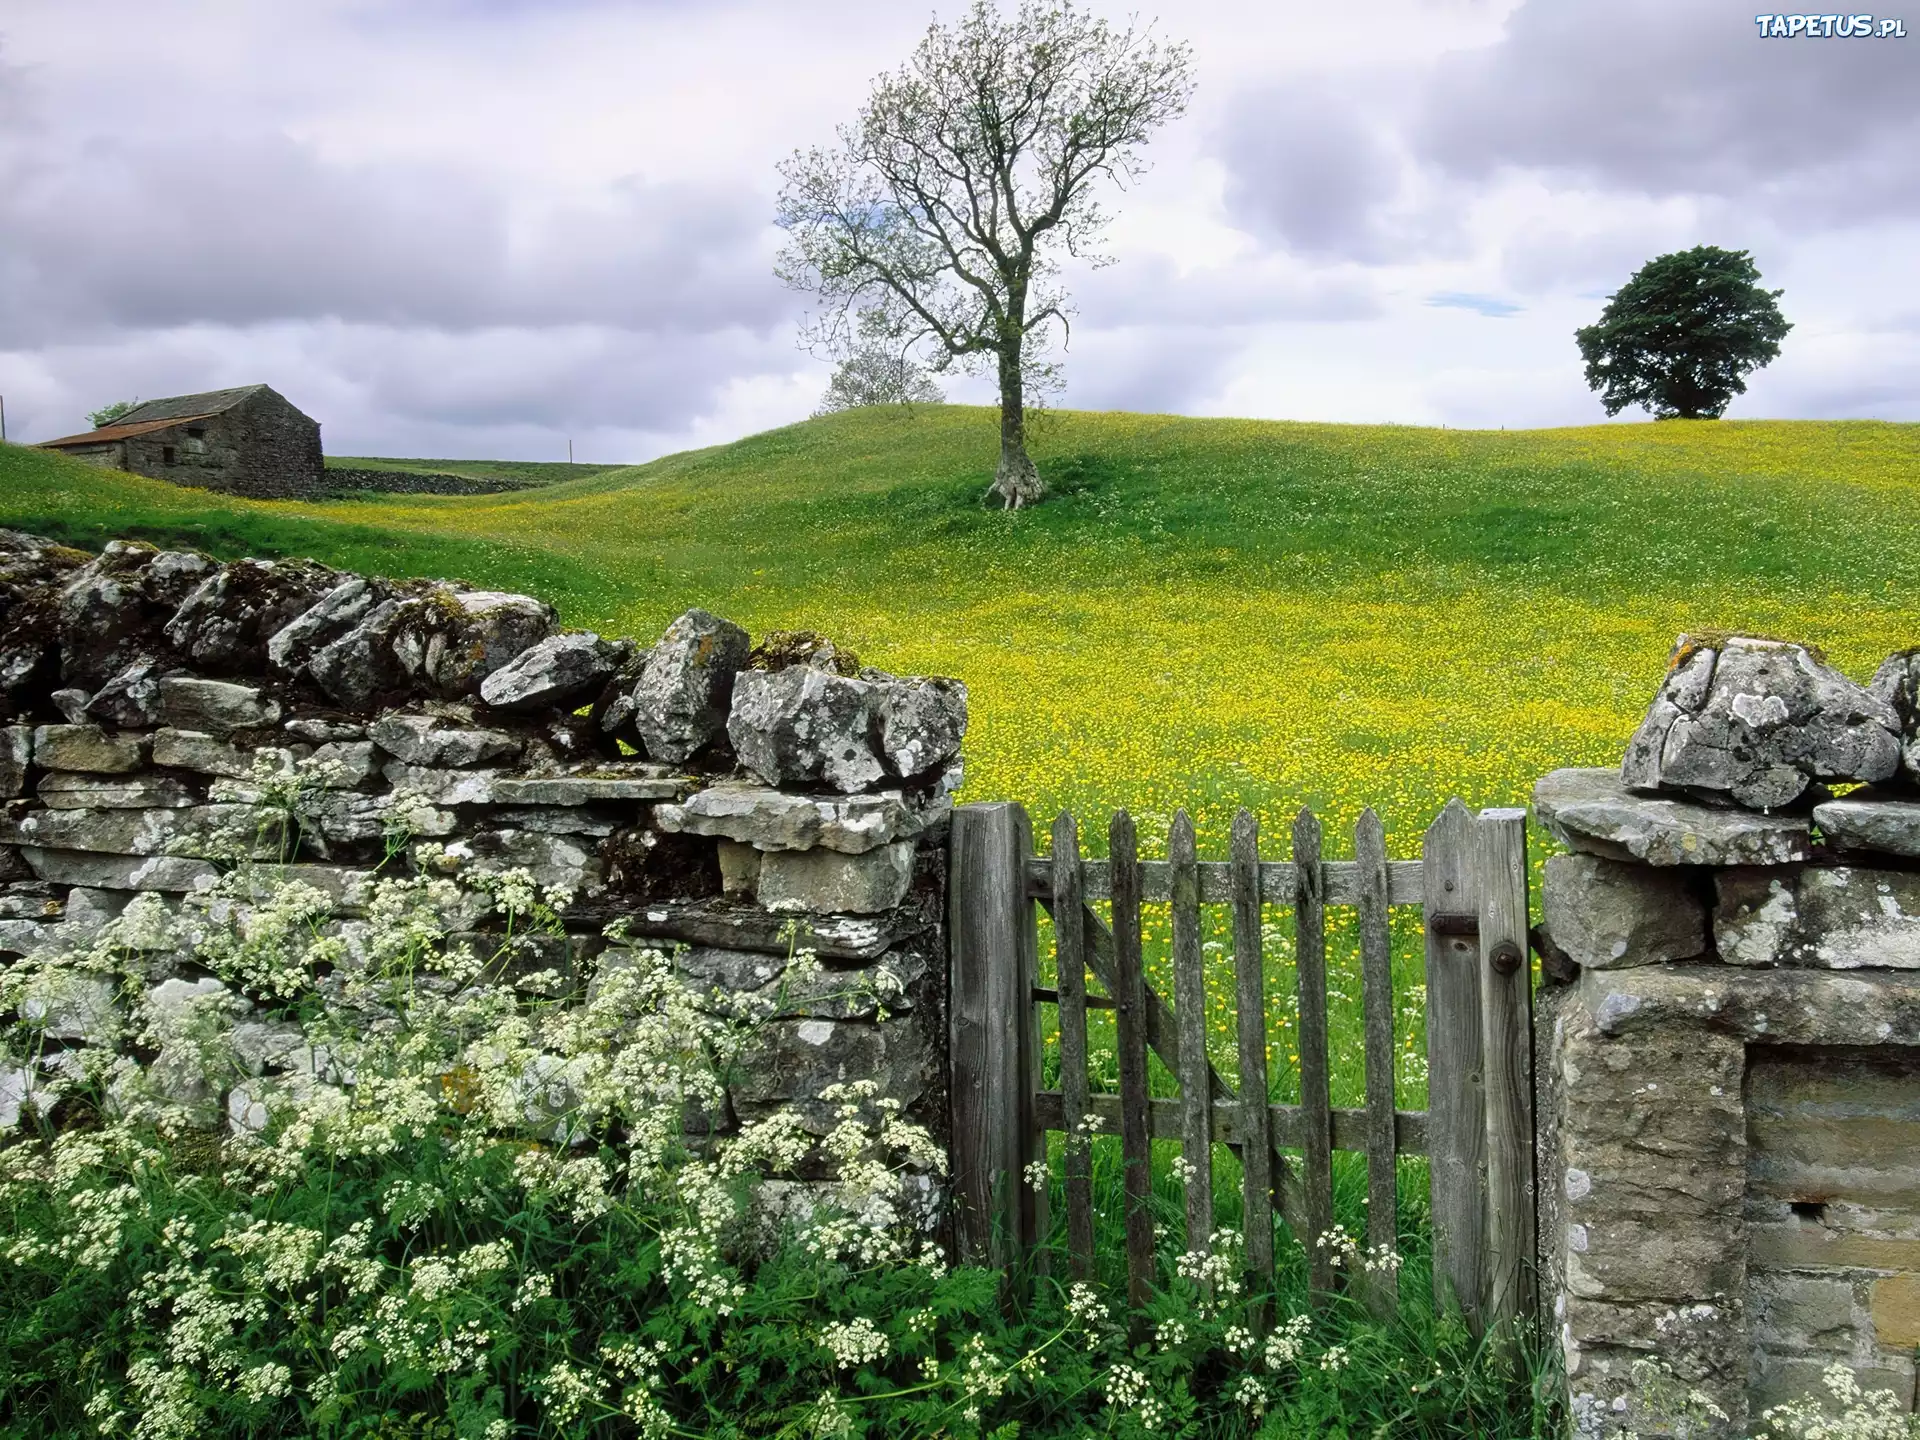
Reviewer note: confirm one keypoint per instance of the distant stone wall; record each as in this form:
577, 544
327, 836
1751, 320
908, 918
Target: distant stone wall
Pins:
415, 482
705, 791
1730, 1067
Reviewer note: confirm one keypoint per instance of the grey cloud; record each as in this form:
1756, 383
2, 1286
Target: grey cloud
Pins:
1165, 369
1152, 291
150, 233
1665, 98
1306, 167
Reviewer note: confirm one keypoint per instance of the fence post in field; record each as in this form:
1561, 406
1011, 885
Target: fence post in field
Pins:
1316, 1103
1499, 865
1456, 1107
992, 959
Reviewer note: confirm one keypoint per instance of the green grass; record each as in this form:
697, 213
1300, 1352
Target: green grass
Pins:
525, 472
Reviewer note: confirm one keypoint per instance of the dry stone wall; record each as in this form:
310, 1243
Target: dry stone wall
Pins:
711, 794
1731, 1081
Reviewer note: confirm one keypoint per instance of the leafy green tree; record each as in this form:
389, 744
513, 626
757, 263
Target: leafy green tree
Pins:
940, 217
1681, 336
874, 375
107, 414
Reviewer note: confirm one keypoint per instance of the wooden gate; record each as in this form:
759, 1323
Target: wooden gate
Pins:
1477, 1130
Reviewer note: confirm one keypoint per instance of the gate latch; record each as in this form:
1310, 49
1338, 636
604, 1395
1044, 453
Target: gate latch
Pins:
1454, 924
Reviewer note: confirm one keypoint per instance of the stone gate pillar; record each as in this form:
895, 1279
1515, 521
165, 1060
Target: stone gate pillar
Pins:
1730, 1147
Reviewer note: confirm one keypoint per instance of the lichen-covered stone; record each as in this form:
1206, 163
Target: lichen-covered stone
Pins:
780, 820
113, 610
443, 787
1837, 918
921, 723
166, 1002
359, 666
130, 699
803, 726
557, 673
1897, 684
72, 1005
781, 649
227, 622
681, 701
438, 741
195, 750
16, 753
347, 817
1592, 812
88, 748
332, 616
789, 1062
345, 764
597, 821
214, 707
452, 640
60, 790
827, 882
325, 729
607, 783
198, 831
571, 862
739, 868
1758, 721
32, 573
1605, 914
1891, 827
782, 992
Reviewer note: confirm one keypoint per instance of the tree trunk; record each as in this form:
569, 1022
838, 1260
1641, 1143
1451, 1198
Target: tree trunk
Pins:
1016, 480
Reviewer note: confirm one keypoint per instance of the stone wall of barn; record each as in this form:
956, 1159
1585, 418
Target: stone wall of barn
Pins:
1729, 1053
262, 447
708, 791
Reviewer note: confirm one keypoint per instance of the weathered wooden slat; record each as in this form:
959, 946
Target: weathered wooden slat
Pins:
1190, 1017
1285, 1123
1340, 881
1129, 990
1046, 995
1499, 864
992, 942
1071, 971
1165, 1043
1256, 1154
1376, 991
1316, 1102
1456, 1110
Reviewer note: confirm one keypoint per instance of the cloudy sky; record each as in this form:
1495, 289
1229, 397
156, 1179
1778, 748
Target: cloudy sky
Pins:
480, 227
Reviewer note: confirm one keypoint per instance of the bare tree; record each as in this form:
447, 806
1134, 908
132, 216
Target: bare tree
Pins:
939, 219
876, 375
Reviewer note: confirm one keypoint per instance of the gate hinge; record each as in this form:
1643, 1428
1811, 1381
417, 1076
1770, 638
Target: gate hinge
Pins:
1454, 924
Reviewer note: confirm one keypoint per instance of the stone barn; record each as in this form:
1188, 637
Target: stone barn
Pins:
249, 441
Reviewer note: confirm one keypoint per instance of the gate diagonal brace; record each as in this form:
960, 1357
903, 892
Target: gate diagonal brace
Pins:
1164, 1040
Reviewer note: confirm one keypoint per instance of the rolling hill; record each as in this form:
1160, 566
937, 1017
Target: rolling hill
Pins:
1207, 612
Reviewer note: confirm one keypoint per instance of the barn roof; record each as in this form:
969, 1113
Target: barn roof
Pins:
188, 407
119, 430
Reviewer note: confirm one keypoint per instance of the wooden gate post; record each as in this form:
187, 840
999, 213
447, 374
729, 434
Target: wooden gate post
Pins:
1499, 864
993, 1052
1456, 1107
